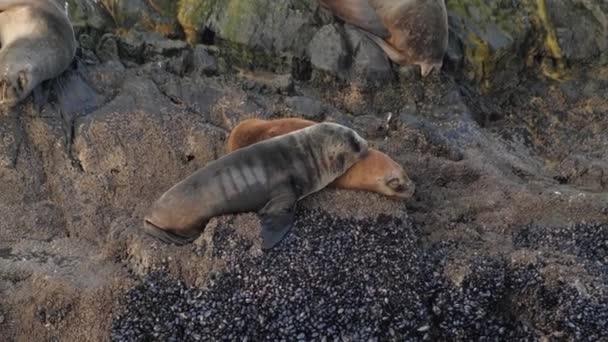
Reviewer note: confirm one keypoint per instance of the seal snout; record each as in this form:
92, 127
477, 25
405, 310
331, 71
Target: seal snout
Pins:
169, 220
400, 187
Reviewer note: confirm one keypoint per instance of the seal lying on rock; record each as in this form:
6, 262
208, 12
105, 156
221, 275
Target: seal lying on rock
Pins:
268, 177
376, 172
37, 44
409, 31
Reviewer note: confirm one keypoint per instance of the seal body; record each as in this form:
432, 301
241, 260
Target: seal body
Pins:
375, 172
37, 44
411, 32
268, 177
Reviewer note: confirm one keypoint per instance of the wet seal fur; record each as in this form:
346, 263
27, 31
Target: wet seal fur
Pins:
376, 172
38, 44
411, 32
268, 177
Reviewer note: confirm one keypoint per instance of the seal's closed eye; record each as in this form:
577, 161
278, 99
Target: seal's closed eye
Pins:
354, 143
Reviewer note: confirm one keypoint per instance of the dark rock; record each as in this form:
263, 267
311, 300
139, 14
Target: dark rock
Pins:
328, 51
370, 64
143, 47
581, 28
371, 126
89, 14
259, 25
196, 95
267, 82
107, 48
278, 297
86, 42
202, 62
306, 107
11, 137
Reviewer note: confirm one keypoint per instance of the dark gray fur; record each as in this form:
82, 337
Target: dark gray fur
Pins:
268, 177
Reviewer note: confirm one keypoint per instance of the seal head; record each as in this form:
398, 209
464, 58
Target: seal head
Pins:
376, 172
411, 32
38, 44
268, 177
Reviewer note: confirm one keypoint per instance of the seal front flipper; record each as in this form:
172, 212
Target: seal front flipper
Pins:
277, 218
359, 13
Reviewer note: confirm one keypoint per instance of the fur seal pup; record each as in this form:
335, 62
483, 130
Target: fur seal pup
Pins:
268, 177
37, 44
376, 172
409, 31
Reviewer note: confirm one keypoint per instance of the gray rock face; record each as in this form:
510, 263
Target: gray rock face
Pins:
328, 51
581, 28
306, 107
347, 53
267, 25
202, 62
370, 65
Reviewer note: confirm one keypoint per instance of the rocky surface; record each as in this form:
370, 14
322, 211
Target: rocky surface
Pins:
504, 239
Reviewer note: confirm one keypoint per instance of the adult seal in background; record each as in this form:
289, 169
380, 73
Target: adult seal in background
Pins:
411, 32
37, 44
268, 177
376, 172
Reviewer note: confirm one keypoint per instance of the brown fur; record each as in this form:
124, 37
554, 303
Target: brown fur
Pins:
409, 31
376, 172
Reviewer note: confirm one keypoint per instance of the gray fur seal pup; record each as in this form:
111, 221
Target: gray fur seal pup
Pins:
37, 44
268, 177
411, 32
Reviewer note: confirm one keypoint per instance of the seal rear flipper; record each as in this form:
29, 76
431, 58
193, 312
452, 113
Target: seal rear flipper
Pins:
277, 216
390, 51
359, 13
167, 236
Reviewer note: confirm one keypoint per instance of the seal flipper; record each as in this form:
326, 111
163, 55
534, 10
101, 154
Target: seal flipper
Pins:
358, 13
277, 216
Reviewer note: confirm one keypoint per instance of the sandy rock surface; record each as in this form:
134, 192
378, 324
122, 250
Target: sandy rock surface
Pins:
505, 237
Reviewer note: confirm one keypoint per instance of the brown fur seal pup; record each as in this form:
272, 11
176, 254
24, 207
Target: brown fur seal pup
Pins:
37, 44
409, 31
376, 172
267, 177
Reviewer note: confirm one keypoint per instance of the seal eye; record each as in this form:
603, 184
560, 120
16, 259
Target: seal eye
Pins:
396, 185
354, 144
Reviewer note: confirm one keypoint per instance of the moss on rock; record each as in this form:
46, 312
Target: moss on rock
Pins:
193, 14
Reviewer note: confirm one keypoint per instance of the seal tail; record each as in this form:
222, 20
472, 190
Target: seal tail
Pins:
168, 236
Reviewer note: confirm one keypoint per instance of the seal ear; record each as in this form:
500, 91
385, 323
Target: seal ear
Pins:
277, 217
